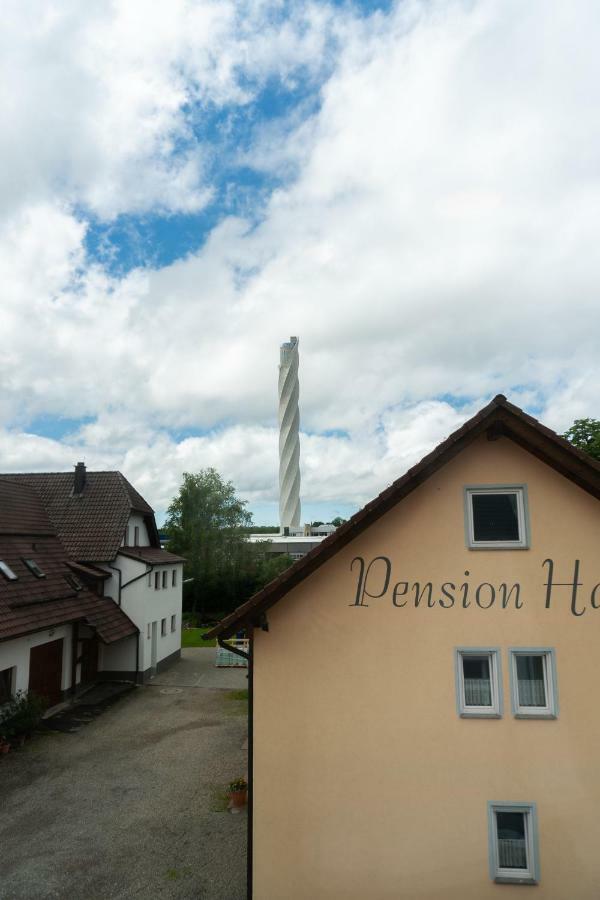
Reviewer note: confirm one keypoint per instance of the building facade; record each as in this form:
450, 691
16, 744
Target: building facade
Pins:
110, 539
53, 625
423, 723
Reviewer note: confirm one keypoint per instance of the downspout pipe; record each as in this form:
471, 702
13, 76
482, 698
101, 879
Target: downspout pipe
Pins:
137, 578
118, 571
249, 657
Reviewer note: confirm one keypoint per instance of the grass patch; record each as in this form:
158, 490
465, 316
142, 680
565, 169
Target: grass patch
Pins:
176, 874
237, 695
192, 637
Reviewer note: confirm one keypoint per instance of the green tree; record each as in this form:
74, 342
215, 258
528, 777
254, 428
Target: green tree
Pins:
338, 521
205, 524
208, 524
585, 435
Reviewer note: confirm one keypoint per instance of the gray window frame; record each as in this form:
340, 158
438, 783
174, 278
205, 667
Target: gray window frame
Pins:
524, 542
514, 876
550, 711
479, 712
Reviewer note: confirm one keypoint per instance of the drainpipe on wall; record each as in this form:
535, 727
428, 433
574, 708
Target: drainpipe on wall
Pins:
137, 643
250, 659
137, 578
118, 571
137, 659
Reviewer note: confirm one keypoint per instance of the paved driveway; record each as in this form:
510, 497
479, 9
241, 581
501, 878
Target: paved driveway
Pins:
132, 805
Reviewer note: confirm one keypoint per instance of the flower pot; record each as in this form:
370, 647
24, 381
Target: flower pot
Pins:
238, 799
4, 747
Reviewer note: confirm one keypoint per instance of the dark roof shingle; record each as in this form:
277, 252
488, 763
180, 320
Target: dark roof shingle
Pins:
90, 524
32, 603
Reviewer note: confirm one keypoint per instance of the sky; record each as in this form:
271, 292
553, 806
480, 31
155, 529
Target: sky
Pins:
412, 188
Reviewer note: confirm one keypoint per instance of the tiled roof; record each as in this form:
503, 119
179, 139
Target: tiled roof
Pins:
22, 511
153, 555
30, 603
90, 524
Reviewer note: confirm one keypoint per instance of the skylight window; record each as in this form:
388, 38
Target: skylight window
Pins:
74, 582
34, 568
7, 571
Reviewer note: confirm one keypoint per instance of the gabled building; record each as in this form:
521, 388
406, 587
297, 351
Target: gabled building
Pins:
422, 685
110, 535
51, 624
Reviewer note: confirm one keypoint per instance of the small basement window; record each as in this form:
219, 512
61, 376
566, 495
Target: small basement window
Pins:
513, 844
34, 568
496, 517
478, 683
533, 683
7, 571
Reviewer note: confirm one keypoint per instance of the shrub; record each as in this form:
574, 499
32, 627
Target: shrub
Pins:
21, 715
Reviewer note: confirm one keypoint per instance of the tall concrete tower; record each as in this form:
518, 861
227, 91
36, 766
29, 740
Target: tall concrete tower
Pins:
289, 438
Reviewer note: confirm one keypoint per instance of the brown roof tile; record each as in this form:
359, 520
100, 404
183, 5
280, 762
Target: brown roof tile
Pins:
30, 603
90, 524
154, 555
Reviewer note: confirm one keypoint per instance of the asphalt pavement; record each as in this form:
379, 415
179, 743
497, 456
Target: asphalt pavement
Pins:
132, 805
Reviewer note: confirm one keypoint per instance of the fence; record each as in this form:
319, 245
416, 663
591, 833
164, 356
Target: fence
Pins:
225, 658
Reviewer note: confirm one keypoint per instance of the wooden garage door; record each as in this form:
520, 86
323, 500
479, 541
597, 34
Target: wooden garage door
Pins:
45, 671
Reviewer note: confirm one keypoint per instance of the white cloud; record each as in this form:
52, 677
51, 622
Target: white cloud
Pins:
354, 468
439, 237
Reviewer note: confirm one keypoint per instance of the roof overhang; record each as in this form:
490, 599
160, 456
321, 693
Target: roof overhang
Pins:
499, 419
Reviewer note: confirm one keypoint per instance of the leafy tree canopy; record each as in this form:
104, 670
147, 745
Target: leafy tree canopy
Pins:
208, 525
338, 521
585, 435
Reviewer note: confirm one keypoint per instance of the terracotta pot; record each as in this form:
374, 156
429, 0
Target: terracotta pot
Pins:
4, 748
238, 798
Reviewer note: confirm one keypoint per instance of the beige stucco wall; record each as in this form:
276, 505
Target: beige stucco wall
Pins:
367, 784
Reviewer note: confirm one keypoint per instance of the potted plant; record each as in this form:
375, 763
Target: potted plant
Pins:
4, 745
238, 793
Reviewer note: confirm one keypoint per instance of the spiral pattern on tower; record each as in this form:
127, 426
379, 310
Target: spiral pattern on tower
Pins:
289, 436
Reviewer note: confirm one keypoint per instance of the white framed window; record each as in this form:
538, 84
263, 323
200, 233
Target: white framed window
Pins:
173, 623
534, 688
164, 578
163, 627
156, 581
478, 682
174, 578
513, 843
126, 537
496, 517
149, 630
149, 579
136, 536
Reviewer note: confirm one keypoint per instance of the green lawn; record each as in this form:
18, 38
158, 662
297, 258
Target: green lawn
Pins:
192, 637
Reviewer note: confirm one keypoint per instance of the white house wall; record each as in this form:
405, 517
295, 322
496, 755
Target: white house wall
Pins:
15, 654
137, 521
145, 604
